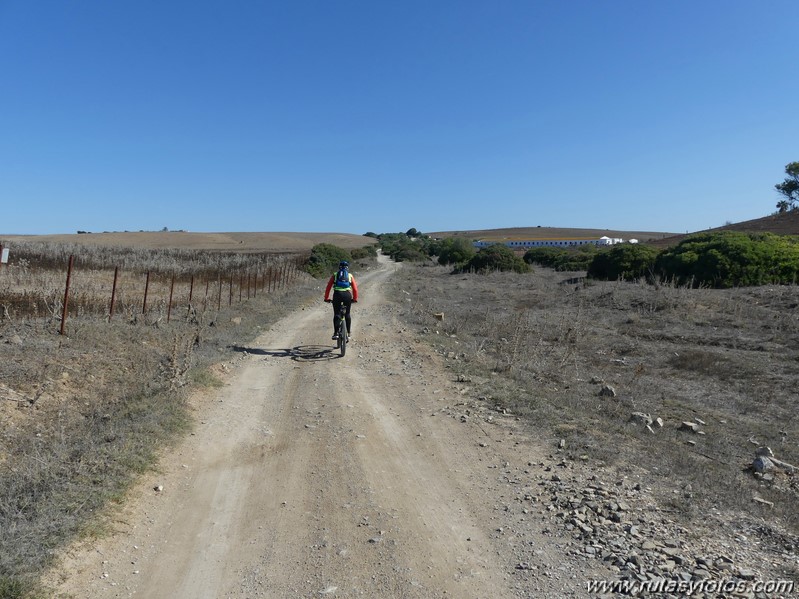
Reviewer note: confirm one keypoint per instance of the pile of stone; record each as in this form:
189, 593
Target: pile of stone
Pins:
621, 525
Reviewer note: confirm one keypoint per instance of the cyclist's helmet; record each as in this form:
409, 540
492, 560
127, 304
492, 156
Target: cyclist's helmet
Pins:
343, 264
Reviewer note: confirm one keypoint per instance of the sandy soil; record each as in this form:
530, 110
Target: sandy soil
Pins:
313, 475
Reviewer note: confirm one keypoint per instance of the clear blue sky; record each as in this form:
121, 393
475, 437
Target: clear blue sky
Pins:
376, 115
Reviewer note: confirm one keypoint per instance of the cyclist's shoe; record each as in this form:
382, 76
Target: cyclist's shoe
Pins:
349, 336
335, 337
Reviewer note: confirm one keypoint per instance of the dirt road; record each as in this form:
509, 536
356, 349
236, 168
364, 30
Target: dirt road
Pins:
311, 475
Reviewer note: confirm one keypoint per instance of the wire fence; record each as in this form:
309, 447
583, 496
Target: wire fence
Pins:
81, 286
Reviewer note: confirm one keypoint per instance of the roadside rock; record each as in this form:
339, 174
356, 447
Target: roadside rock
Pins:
641, 418
620, 525
762, 464
607, 391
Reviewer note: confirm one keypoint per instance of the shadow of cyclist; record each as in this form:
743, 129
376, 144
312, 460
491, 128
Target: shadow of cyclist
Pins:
301, 353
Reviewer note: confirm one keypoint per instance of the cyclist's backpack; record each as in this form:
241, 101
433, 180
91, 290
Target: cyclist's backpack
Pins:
343, 278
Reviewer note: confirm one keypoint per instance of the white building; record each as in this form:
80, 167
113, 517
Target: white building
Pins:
552, 242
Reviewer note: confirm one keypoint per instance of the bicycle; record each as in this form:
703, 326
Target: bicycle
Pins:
343, 337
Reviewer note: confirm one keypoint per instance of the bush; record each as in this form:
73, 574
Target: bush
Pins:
726, 259
368, 251
403, 247
410, 254
562, 258
324, 259
544, 256
496, 257
626, 261
455, 250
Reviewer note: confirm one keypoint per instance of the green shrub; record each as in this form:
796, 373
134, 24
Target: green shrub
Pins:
324, 259
455, 250
404, 247
562, 258
544, 256
625, 261
496, 257
726, 259
368, 251
409, 254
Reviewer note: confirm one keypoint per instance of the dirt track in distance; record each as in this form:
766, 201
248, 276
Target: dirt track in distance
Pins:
311, 475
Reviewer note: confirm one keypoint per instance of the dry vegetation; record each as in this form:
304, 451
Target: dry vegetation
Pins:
34, 283
277, 243
543, 345
82, 414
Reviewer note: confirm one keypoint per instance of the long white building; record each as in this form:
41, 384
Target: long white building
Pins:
553, 242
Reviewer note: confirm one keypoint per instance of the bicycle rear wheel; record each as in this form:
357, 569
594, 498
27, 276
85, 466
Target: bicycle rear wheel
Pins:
342, 335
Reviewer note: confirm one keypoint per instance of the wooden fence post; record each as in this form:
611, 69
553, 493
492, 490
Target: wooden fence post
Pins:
66, 295
171, 290
191, 294
146, 290
113, 293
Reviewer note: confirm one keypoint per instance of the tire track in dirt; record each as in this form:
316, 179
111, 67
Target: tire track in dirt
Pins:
308, 474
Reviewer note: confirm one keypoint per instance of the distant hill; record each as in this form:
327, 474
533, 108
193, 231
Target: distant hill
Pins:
229, 242
786, 223
779, 224
518, 233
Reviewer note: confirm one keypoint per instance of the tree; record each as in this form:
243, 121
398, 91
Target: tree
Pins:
789, 188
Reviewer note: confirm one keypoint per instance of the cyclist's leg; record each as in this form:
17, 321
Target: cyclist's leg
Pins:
337, 301
347, 300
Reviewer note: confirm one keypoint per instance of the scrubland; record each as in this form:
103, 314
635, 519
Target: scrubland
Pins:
587, 364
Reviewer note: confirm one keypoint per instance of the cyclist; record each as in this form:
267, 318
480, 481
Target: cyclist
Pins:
345, 291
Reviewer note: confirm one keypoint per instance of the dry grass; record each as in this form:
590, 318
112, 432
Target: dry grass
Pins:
544, 344
81, 415
33, 284
279, 243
